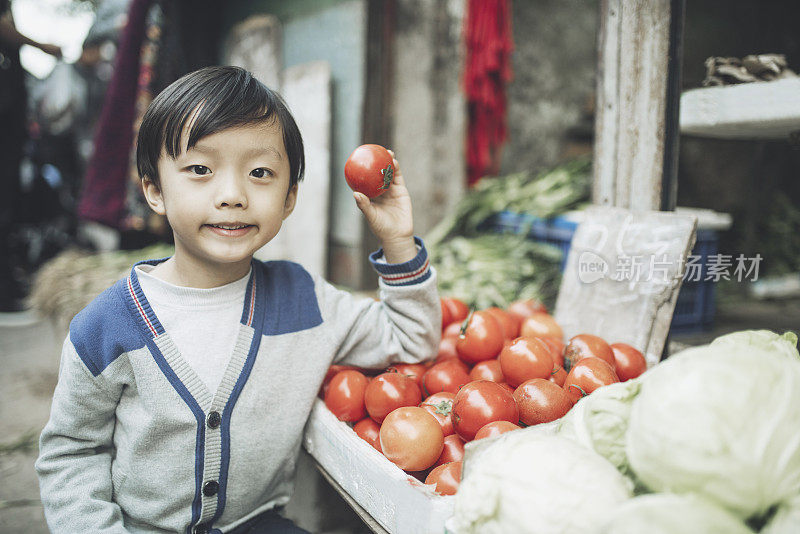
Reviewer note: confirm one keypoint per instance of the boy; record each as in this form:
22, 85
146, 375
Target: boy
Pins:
184, 388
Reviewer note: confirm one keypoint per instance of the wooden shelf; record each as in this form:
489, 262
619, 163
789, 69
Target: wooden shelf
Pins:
758, 110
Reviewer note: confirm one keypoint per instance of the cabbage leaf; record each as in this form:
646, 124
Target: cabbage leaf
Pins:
723, 422
664, 513
527, 482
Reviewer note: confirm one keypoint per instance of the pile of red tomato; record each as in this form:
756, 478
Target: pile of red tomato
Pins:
496, 370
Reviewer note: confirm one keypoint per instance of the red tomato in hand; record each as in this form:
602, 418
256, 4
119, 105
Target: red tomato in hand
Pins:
524, 359
630, 363
495, 428
541, 401
525, 308
389, 391
453, 450
481, 339
447, 376
588, 375
479, 403
411, 438
458, 309
440, 405
345, 395
585, 346
541, 325
510, 323
487, 370
368, 430
446, 477
558, 376
369, 170
414, 371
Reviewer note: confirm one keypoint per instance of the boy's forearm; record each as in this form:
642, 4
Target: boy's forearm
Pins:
399, 250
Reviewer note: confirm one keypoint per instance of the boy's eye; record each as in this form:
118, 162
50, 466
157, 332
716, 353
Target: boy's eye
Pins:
261, 172
199, 169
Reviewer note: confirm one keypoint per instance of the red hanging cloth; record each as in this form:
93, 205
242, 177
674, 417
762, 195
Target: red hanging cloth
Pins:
488, 68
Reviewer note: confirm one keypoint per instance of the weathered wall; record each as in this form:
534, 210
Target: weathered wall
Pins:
332, 31
554, 62
428, 108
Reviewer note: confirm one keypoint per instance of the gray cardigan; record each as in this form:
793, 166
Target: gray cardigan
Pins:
137, 443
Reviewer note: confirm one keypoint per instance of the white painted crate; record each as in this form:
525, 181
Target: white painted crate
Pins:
397, 501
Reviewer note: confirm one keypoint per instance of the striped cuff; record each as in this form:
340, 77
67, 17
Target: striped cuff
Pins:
409, 273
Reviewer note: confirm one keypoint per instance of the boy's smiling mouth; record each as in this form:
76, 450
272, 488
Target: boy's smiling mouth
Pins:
232, 229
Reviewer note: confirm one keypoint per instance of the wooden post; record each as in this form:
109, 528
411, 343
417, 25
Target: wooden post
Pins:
376, 121
638, 94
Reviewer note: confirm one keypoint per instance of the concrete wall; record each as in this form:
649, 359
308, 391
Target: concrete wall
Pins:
554, 62
333, 31
428, 108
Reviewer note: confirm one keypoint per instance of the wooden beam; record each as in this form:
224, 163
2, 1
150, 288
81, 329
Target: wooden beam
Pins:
637, 98
376, 117
672, 135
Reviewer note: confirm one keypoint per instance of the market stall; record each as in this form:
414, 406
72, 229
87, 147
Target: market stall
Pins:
675, 446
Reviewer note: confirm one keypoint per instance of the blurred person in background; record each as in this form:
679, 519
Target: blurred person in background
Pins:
13, 133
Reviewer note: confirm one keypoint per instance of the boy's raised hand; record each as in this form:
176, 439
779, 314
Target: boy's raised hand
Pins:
389, 217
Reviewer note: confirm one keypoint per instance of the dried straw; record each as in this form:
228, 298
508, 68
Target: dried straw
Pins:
66, 284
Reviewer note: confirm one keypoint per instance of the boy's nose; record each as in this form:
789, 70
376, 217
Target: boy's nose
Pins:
231, 194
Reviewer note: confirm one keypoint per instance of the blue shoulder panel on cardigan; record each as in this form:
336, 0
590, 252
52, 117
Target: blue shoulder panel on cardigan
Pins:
291, 302
104, 329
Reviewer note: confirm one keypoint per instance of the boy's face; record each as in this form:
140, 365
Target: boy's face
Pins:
226, 197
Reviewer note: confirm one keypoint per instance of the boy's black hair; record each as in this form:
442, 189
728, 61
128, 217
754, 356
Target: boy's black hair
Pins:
227, 96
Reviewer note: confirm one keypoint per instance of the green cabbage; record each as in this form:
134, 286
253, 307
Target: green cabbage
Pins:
723, 422
664, 513
527, 482
786, 519
599, 421
761, 340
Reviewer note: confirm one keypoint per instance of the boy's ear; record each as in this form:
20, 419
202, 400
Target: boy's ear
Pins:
152, 193
291, 200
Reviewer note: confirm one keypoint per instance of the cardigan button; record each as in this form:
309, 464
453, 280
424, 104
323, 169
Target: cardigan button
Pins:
214, 419
210, 488
200, 529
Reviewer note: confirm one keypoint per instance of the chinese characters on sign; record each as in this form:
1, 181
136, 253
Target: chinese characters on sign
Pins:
716, 267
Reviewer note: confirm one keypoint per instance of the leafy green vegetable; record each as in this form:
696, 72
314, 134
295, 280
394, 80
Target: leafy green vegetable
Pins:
490, 269
527, 482
786, 519
779, 241
543, 195
721, 421
496, 269
664, 513
785, 344
599, 421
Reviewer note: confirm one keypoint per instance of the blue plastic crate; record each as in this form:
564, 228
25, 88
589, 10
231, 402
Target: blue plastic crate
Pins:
695, 307
557, 231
